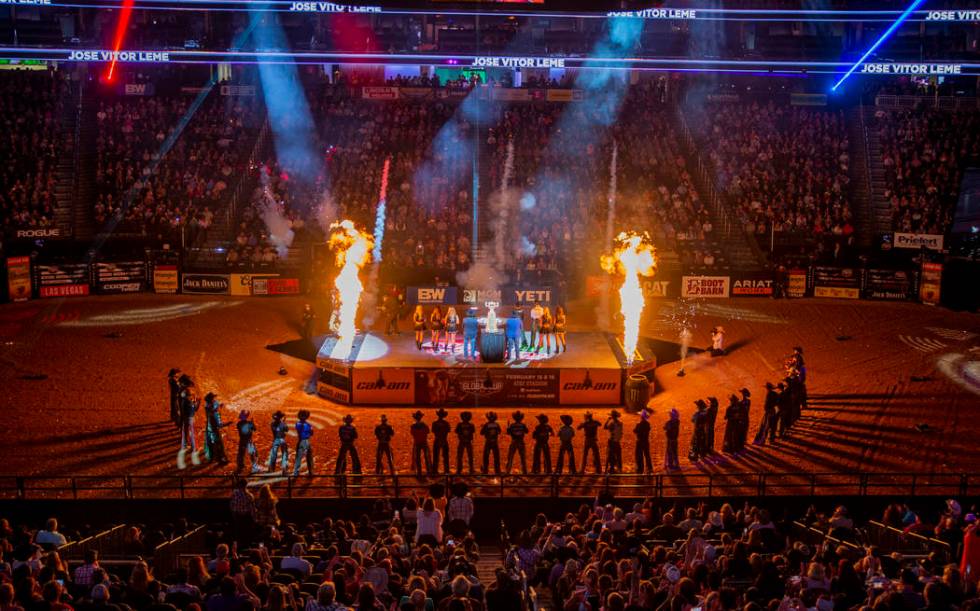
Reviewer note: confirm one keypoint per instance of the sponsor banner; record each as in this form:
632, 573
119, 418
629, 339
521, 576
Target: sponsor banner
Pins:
165, 279
427, 295
919, 240
491, 386
19, 278
138, 89
894, 284
39, 233
808, 99
379, 93
452, 93
62, 280
247, 91
241, 284
705, 286
563, 95
511, 95
391, 386
192, 90
658, 287
332, 393
206, 284
796, 283
512, 295
416, 93
836, 292
752, 285
590, 386
278, 286
120, 277
930, 283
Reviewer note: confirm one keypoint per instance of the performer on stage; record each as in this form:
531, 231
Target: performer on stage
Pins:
421, 459
280, 428
560, 322
542, 453
614, 451
517, 430
452, 328
565, 448
491, 433
418, 321
471, 327
214, 443
591, 428
672, 430
348, 436
246, 442
304, 446
547, 331
536, 313
440, 441
642, 450
383, 433
436, 323
465, 432
514, 330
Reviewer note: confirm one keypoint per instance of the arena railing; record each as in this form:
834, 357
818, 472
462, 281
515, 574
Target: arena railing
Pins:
938, 102
891, 539
678, 484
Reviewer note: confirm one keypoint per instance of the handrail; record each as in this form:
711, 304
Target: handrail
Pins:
889, 538
656, 485
166, 556
938, 102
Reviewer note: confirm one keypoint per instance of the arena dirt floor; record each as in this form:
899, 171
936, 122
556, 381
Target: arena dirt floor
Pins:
84, 387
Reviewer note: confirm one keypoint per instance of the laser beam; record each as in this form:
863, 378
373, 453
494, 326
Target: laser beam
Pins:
124, 14
891, 29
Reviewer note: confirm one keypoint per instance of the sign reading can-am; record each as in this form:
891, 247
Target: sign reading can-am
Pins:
705, 286
206, 284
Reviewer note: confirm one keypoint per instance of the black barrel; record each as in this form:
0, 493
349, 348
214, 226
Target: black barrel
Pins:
493, 347
637, 393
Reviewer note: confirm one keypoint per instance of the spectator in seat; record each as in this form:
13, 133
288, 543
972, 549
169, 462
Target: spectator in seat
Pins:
182, 590
325, 599
7, 602
296, 562
50, 538
667, 530
233, 596
52, 593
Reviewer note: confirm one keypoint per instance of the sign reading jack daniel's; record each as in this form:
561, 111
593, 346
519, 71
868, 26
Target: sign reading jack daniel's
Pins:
206, 284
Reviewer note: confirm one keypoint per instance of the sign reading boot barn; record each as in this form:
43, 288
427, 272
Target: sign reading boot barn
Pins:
705, 286
206, 284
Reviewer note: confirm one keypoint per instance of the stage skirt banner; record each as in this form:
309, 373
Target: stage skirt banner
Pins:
918, 240
62, 280
241, 284
275, 286
751, 285
835, 282
705, 286
590, 386
19, 278
490, 386
796, 283
891, 284
930, 283
206, 284
388, 386
431, 295
512, 295
120, 277
166, 279
379, 93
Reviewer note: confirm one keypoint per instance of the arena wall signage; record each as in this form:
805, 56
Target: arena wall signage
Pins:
120, 277
918, 240
493, 386
138, 89
241, 284
40, 233
429, 295
206, 284
380, 93
705, 286
104, 55
890, 284
241, 91
796, 283
166, 279
62, 280
752, 285
953, 16
930, 285
330, 7
275, 286
518, 62
835, 282
512, 295
906, 68
590, 386
390, 386
657, 13
19, 278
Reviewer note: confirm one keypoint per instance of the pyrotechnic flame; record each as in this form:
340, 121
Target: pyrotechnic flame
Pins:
633, 257
353, 251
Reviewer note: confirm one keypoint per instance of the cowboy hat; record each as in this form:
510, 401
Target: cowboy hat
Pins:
491, 415
566, 419
518, 415
173, 372
210, 397
745, 392
542, 418
348, 418
417, 415
441, 413
674, 414
466, 416
278, 415
701, 404
244, 414
614, 414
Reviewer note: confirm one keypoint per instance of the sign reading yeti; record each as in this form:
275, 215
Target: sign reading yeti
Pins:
705, 286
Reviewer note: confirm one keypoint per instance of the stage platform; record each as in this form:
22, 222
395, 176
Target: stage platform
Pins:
390, 370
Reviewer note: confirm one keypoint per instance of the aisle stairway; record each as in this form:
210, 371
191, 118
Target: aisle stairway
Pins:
64, 171
861, 202
881, 216
83, 187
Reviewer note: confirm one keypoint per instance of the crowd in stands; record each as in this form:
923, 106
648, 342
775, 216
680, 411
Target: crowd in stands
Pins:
31, 106
163, 163
782, 168
607, 555
924, 153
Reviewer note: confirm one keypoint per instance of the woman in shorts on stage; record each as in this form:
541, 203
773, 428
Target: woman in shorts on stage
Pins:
418, 319
547, 330
560, 345
452, 328
436, 323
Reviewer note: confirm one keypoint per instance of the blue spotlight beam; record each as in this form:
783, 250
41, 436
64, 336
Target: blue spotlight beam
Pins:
891, 29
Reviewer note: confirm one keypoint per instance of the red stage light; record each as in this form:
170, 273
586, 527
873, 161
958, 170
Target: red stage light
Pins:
124, 14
